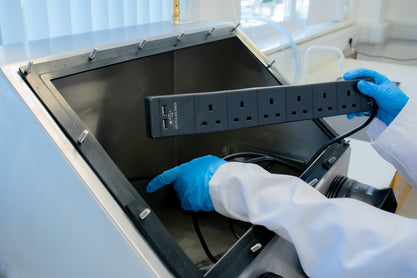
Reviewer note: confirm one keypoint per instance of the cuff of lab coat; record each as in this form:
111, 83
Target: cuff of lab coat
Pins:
226, 182
377, 126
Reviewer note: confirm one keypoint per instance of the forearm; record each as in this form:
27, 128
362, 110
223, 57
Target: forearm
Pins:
334, 238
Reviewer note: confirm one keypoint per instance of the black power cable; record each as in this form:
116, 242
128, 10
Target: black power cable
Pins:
232, 228
256, 157
201, 238
339, 139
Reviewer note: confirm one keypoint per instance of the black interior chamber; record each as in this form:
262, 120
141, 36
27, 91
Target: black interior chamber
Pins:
110, 101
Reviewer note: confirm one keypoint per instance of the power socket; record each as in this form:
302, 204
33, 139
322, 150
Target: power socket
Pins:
242, 109
272, 105
299, 101
215, 111
349, 98
210, 112
325, 100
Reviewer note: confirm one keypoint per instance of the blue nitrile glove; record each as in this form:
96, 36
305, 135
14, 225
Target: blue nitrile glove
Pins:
353, 115
388, 96
191, 181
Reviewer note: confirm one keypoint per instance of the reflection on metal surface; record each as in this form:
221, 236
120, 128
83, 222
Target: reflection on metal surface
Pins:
236, 26
92, 54
211, 31
142, 44
28, 67
82, 137
256, 248
144, 213
270, 64
313, 182
181, 36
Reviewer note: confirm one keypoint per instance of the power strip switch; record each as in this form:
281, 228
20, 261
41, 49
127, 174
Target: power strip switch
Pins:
183, 114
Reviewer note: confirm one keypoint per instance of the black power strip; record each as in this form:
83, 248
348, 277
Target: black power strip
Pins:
182, 114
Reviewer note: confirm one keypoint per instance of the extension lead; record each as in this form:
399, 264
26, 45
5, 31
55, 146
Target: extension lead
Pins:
196, 113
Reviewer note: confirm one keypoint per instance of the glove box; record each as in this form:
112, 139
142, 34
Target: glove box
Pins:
97, 98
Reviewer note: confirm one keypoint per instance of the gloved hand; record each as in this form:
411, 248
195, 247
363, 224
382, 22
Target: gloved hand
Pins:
390, 98
191, 181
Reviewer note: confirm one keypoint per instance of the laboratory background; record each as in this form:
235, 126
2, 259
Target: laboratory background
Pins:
97, 97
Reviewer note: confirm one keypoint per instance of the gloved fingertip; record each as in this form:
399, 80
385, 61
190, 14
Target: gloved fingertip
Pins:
350, 116
366, 87
155, 184
150, 189
352, 74
347, 76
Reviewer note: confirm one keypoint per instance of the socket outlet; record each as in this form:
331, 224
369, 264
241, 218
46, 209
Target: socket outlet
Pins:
271, 105
210, 112
299, 101
348, 97
324, 100
242, 109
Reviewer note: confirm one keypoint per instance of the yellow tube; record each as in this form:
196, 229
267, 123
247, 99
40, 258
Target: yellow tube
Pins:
176, 11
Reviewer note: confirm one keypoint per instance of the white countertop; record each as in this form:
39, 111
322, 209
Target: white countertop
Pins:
366, 165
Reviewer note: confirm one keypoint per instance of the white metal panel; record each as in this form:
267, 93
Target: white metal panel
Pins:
56, 218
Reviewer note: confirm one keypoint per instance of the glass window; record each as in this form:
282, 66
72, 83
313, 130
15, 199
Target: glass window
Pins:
28, 20
275, 10
307, 12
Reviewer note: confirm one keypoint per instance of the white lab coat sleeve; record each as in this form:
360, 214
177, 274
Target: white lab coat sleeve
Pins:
333, 237
398, 143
